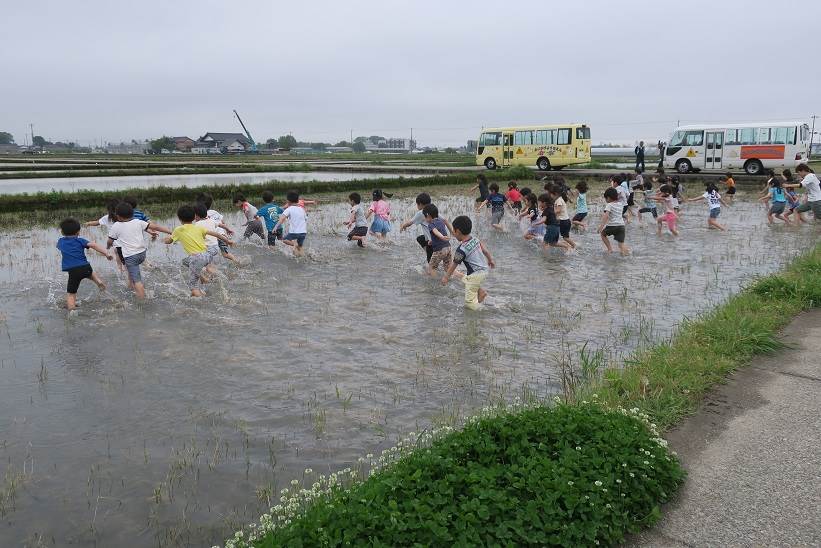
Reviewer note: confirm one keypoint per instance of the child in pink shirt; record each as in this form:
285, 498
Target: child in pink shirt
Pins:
381, 211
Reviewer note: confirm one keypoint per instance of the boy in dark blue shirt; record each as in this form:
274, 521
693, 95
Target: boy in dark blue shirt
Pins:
270, 213
73, 249
496, 201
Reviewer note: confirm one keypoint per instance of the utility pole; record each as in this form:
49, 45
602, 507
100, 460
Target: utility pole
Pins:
31, 126
351, 141
812, 135
410, 145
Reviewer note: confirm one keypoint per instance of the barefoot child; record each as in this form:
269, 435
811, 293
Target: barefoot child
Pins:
73, 249
551, 222
253, 223
297, 223
496, 201
357, 222
612, 222
108, 221
581, 206
381, 211
192, 238
222, 228
418, 218
560, 205
715, 201
665, 194
440, 241
269, 213
535, 227
514, 197
202, 219
477, 261
778, 198
649, 201
129, 232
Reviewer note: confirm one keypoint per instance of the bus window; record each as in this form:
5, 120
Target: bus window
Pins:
523, 138
582, 133
764, 136
563, 137
748, 136
791, 135
490, 139
779, 135
733, 137
691, 138
545, 137
804, 131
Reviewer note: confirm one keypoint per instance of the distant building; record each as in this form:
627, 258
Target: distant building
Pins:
10, 149
126, 148
339, 149
183, 144
393, 145
471, 146
303, 150
223, 142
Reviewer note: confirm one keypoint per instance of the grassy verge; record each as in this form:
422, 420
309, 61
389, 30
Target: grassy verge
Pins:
668, 381
574, 474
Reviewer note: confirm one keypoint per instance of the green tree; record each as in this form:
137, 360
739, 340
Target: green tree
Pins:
163, 142
39, 141
6, 138
287, 141
358, 146
343, 144
450, 150
272, 143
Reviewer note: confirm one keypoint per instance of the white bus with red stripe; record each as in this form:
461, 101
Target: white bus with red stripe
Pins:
752, 147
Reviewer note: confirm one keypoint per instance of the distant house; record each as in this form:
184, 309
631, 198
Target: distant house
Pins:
10, 149
224, 142
183, 144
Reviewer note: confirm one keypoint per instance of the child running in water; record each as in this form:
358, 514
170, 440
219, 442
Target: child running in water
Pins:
422, 199
649, 201
192, 238
297, 223
497, 201
778, 198
253, 223
222, 228
481, 185
129, 232
532, 212
269, 213
477, 260
715, 201
202, 219
559, 198
551, 222
514, 197
612, 222
381, 211
74, 261
440, 241
357, 222
108, 221
665, 194
581, 206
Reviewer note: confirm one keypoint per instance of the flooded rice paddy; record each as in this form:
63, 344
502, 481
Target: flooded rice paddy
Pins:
173, 422
103, 183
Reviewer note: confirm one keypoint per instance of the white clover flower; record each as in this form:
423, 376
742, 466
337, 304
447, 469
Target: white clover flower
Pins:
604, 489
646, 463
618, 481
369, 456
632, 475
294, 482
597, 483
607, 506
569, 483
578, 448
624, 465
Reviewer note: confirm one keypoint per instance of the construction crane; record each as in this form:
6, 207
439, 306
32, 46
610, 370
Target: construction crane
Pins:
253, 144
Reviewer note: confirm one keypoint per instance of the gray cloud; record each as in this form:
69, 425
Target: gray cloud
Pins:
116, 70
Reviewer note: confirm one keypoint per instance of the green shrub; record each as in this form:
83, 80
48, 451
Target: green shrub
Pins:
562, 476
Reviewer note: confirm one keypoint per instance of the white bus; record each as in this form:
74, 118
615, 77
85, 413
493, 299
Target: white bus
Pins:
751, 147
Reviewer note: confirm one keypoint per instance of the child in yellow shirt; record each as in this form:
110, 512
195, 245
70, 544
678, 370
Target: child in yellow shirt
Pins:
192, 238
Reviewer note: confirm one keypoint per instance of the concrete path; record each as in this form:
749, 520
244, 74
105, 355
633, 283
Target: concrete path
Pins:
753, 454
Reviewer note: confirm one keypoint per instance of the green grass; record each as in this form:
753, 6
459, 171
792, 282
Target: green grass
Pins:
537, 476
669, 380
522, 477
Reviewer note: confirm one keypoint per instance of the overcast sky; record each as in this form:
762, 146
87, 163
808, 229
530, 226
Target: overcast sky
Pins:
110, 70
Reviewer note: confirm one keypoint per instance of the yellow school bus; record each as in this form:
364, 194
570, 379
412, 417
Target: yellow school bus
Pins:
546, 147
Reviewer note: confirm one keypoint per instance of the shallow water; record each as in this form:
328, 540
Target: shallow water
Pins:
73, 184
169, 423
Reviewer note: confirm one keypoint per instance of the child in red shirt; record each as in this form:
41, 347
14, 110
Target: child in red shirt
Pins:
514, 197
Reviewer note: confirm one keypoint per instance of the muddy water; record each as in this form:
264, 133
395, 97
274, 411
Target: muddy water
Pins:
72, 184
172, 422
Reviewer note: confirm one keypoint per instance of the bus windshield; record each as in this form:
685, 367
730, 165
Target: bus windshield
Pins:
687, 138
490, 139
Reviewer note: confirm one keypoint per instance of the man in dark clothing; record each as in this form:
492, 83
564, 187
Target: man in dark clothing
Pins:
640, 155
661, 146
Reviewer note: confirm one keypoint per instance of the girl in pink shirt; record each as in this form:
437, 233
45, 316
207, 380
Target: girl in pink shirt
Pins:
381, 211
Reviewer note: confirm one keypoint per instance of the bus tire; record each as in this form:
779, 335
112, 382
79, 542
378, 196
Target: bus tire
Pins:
684, 166
543, 164
490, 163
753, 167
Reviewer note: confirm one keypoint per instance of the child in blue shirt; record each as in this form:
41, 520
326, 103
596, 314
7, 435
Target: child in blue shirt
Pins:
496, 201
270, 213
73, 249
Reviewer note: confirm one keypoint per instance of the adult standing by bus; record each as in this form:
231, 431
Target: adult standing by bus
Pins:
661, 146
812, 187
640, 155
